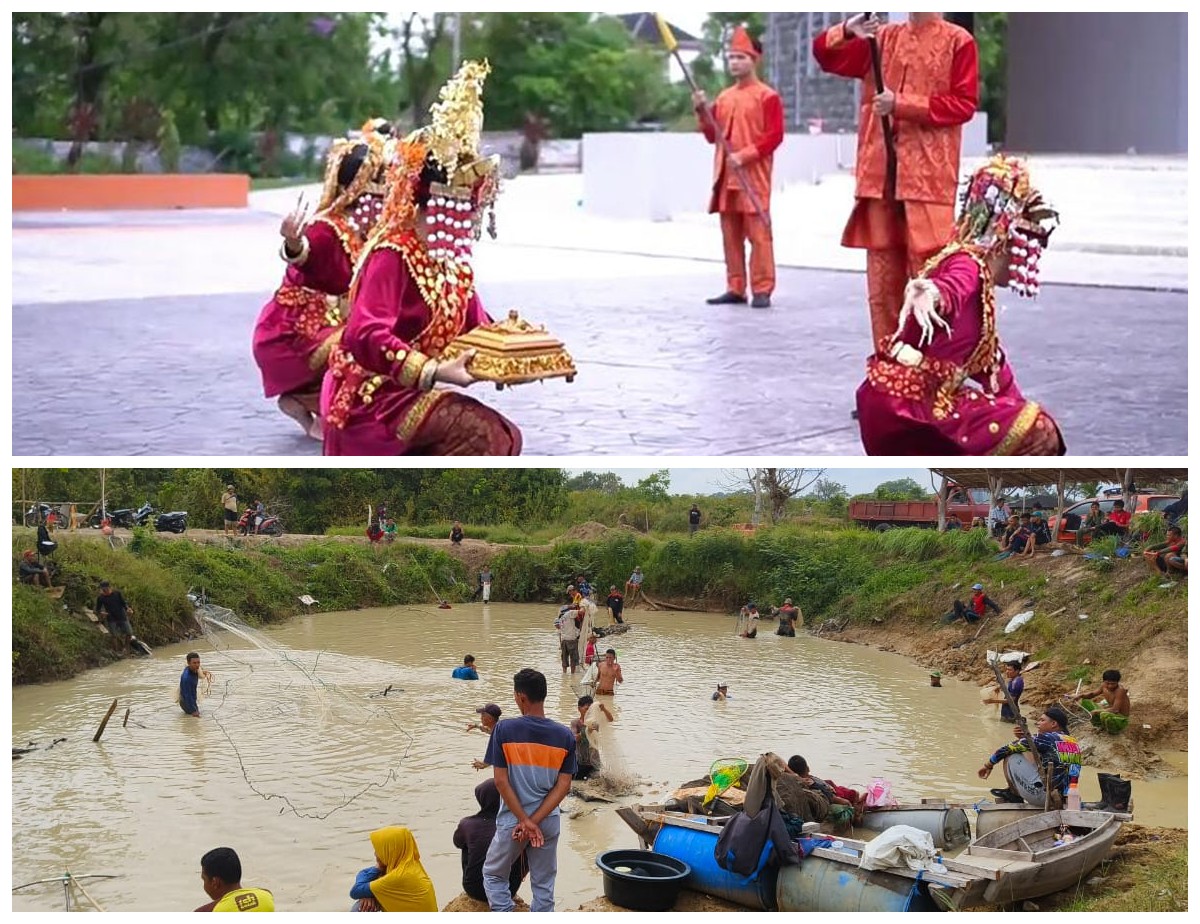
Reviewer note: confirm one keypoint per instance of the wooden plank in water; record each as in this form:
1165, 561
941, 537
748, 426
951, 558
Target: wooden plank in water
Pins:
104, 723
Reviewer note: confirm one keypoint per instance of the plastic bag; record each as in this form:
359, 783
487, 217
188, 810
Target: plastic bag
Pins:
899, 847
1017, 621
879, 794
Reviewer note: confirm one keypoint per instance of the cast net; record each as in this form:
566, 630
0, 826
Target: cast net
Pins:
313, 730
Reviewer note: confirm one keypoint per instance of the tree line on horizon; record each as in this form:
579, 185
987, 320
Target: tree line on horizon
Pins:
317, 500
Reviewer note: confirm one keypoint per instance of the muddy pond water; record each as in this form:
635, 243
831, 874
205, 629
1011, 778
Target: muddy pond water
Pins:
294, 760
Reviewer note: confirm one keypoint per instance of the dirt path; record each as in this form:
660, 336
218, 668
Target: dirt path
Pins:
474, 553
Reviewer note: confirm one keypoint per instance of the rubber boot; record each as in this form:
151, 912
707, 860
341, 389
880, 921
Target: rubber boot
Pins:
1118, 794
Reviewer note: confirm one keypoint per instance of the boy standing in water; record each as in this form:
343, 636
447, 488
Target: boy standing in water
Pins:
609, 674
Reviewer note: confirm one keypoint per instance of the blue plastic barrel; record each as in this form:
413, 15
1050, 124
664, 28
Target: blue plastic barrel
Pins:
818, 884
695, 848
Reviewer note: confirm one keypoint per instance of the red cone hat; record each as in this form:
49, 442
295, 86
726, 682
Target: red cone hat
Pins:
742, 43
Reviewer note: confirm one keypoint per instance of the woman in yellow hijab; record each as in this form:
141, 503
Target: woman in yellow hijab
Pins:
397, 881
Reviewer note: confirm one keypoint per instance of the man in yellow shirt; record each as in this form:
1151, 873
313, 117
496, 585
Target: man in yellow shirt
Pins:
221, 874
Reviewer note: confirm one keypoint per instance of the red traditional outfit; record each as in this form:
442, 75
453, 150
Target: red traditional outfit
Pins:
298, 327
750, 116
942, 385
933, 69
415, 293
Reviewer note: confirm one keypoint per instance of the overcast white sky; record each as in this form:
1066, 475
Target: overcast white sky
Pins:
709, 480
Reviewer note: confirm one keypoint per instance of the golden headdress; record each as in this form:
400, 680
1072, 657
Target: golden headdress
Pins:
1001, 209
370, 178
447, 147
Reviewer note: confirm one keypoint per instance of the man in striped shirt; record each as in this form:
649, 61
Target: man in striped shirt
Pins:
533, 760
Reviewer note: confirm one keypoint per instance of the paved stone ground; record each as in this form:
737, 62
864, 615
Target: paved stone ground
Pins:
660, 372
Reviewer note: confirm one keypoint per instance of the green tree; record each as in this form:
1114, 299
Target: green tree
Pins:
578, 71
604, 482
831, 496
991, 35
655, 488
901, 489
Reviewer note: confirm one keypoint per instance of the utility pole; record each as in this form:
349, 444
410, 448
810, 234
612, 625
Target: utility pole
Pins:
456, 47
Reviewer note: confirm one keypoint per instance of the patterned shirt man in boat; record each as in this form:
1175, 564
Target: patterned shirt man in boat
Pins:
414, 293
298, 327
1051, 744
943, 384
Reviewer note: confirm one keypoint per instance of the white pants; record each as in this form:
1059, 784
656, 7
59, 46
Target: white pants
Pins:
487, 591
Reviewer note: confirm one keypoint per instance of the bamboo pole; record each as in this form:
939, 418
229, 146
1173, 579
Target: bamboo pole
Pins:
79, 885
104, 723
125, 722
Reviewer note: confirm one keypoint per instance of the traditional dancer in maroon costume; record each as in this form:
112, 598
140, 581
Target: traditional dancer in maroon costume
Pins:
944, 385
414, 293
298, 327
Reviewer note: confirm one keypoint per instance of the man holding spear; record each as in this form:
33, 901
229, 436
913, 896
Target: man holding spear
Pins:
746, 125
920, 86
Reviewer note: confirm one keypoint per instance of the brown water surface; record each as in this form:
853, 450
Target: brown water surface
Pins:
151, 797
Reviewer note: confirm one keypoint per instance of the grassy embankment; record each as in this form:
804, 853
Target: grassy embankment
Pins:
52, 639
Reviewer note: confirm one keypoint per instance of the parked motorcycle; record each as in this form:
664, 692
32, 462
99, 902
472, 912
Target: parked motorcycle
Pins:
37, 514
174, 522
270, 525
142, 515
117, 518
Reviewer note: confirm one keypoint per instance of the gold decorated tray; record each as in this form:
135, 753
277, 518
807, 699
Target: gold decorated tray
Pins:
513, 352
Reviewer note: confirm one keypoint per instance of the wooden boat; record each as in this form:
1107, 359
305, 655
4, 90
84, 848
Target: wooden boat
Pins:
831, 879
1034, 861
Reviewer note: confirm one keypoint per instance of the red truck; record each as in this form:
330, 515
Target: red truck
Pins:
963, 507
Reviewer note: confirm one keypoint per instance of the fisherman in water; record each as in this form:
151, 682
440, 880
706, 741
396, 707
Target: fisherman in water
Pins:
610, 675
189, 683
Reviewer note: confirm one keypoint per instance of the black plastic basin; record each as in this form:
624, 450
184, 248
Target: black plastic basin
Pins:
652, 883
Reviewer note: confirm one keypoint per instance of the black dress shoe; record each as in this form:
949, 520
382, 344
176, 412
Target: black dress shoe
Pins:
761, 301
729, 298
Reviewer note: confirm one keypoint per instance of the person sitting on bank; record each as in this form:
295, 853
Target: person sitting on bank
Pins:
1118, 521
1025, 540
474, 835
1016, 538
1016, 686
221, 876
1039, 525
1051, 743
389, 530
456, 533
1167, 557
1108, 705
633, 587
397, 881
1089, 525
32, 571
